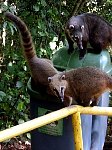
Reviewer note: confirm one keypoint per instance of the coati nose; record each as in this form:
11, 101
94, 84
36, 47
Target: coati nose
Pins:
62, 88
62, 93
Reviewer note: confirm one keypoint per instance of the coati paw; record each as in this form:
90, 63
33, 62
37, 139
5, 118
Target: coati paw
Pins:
80, 57
82, 54
68, 101
94, 104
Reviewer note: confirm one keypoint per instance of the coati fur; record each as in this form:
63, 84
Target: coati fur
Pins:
82, 85
88, 28
40, 68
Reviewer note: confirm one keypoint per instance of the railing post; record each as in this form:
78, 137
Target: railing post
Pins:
77, 130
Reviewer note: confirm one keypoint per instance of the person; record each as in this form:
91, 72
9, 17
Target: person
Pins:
94, 127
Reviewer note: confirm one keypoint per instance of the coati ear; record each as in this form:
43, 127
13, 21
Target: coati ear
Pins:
82, 27
49, 79
63, 77
71, 27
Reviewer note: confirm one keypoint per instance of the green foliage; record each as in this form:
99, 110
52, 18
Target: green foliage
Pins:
46, 20
13, 78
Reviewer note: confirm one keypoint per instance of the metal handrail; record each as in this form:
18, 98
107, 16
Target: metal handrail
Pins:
73, 110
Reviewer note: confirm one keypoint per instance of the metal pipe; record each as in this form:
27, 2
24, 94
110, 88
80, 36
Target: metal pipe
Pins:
51, 117
77, 131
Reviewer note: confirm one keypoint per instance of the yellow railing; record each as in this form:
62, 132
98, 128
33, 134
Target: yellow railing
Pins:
75, 111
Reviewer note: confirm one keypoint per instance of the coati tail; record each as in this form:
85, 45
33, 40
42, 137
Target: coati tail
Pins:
26, 38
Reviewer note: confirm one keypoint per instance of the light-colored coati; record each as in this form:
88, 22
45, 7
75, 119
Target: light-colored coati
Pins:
83, 85
40, 68
90, 28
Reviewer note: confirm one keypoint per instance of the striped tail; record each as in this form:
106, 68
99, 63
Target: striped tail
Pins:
26, 38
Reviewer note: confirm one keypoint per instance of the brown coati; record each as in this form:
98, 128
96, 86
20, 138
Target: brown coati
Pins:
81, 85
86, 28
40, 68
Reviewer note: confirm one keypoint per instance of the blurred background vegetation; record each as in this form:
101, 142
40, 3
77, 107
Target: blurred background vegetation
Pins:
46, 20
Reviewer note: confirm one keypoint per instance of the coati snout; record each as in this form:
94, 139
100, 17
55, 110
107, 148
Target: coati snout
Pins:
58, 86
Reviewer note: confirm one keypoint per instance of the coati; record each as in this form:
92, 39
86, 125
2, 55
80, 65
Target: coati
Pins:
81, 85
40, 68
86, 28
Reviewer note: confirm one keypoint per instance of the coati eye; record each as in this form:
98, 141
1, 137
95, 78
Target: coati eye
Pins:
63, 77
49, 79
82, 27
71, 27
